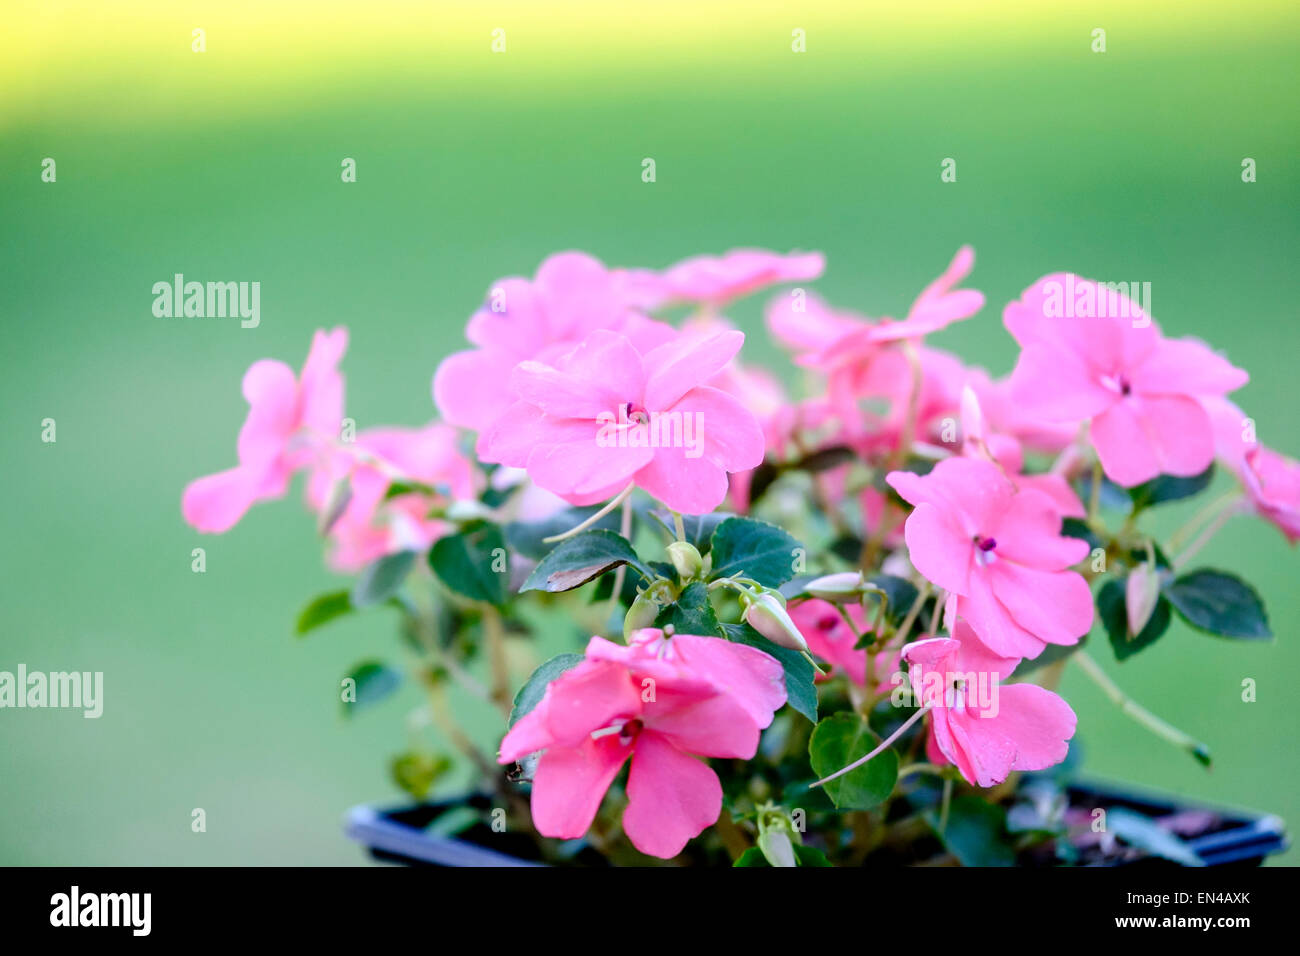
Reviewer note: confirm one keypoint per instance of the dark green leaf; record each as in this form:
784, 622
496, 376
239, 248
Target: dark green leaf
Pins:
810, 856
1114, 618
751, 857
530, 695
1219, 603
323, 609
382, 578
579, 559
1169, 488
755, 548
1145, 834
473, 563
800, 689
841, 739
1074, 528
399, 488
692, 613
527, 537
373, 681
975, 833
1113, 497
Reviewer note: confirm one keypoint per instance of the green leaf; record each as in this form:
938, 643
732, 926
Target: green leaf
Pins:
473, 563
323, 609
751, 857
399, 488
800, 689
1113, 497
582, 558
1169, 488
530, 695
1075, 528
527, 537
1145, 834
810, 856
1114, 618
382, 578
901, 593
416, 773
760, 550
374, 681
1219, 603
697, 528
975, 833
838, 741
692, 613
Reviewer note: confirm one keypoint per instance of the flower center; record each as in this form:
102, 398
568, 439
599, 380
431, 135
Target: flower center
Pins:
630, 731
635, 415
1117, 383
984, 549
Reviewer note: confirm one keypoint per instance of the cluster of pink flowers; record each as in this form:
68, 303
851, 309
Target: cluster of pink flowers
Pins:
577, 381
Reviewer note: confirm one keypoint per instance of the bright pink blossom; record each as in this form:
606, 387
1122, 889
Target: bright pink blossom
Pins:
830, 637
663, 702
988, 729
1090, 353
1271, 479
1000, 552
571, 296
832, 340
290, 419
371, 526
606, 415
980, 441
716, 280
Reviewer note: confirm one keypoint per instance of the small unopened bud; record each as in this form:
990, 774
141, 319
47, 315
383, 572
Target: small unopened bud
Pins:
467, 510
1141, 594
838, 588
776, 847
766, 614
645, 609
686, 559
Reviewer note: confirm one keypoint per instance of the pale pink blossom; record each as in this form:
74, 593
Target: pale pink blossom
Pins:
1098, 357
1271, 479
571, 296
834, 341
607, 415
985, 727
663, 702
370, 526
999, 553
291, 419
713, 281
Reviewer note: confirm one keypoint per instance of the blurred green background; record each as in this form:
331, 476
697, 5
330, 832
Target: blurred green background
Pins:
472, 165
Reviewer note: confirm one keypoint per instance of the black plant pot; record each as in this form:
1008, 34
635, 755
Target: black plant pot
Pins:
1218, 837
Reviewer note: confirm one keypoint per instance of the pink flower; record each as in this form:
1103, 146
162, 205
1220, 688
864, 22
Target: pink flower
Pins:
830, 638
1089, 353
831, 340
290, 419
999, 552
1271, 480
661, 701
606, 415
986, 728
716, 280
571, 296
370, 527
979, 441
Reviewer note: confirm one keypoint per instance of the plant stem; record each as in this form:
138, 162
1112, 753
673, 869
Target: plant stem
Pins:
496, 641
905, 628
1176, 539
884, 745
625, 529
609, 506
947, 803
677, 527
1225, 514
1132, 708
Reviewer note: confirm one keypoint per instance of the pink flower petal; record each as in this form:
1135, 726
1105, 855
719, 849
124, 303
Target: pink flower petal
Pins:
570, 782
671, 797
676, 367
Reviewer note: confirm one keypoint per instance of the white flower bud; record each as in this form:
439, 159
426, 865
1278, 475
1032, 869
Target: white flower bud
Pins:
767, 615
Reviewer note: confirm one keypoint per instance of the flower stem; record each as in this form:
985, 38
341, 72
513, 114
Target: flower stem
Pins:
609, 506
905, 628
884, 745
1132, 708
1226, 512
